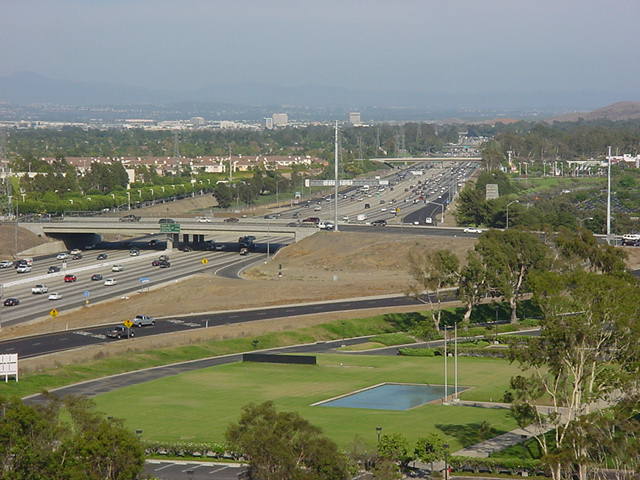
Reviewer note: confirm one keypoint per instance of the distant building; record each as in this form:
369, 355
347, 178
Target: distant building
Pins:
354, 118
280, 119
268, 123
197, 121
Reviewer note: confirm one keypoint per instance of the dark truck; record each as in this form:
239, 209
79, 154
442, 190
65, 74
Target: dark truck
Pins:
130, 218
247, 244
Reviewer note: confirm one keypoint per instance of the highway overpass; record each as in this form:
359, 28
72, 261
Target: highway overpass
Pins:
426, 159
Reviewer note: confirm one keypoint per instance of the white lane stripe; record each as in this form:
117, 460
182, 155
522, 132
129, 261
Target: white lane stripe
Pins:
217, 470
191, 468
165, 466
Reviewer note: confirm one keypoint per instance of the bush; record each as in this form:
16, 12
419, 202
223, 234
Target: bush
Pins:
475, 352
497, 465
393, 339
189, 449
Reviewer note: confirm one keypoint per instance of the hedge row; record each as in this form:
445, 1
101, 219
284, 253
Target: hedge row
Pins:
189, 449
498, 465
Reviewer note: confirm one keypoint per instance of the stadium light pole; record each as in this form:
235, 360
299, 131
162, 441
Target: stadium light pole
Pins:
510, 203
609, 196
335, 165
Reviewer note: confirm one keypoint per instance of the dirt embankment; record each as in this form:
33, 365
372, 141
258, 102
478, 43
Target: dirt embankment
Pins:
10, 244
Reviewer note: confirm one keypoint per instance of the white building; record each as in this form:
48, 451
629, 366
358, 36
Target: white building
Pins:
354, 118
280, 119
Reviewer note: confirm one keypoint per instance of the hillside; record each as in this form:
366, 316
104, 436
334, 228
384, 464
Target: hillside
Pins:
614, 112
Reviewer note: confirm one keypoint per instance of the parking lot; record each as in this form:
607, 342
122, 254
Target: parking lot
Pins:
176, 470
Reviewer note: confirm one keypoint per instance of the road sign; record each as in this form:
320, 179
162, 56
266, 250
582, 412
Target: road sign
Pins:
86, 293
204, 261
144, 279
344, 183
128, 323
169, 228
53, 312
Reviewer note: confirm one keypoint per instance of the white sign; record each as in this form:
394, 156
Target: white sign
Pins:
9, 365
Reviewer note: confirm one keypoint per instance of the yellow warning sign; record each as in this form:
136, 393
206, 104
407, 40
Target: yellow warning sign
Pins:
128, 323
53, 312
204, 261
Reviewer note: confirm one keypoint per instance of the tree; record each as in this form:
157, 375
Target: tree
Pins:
581, 250
39, 442
432, 272
472, 286
223, 195
394, 447
430, 449
508, 258
586, 356
284, 446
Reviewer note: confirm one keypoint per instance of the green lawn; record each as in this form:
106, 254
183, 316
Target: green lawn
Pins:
198, 406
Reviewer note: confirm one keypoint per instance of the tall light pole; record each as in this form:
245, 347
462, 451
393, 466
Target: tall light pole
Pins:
335, 166
455, 361
510, 203
609, 196
129, 199
446, 373
378, 432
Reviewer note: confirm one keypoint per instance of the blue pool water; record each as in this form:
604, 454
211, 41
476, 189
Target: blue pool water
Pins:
391, 396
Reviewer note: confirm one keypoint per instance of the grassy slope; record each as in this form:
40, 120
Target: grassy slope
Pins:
197, 406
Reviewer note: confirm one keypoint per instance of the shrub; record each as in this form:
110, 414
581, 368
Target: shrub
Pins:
417, 352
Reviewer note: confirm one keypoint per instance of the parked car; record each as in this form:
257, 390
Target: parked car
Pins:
120, 331
55, 296
96, 277
117, 268
39, 289
102, 256
143, 321
6, 264
11, 302
232, 220
70, 278
53, 269
110, 281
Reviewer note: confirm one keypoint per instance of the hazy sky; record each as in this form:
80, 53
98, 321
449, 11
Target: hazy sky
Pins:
438, 45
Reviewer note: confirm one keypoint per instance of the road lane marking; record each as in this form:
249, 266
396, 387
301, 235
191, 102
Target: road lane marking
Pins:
191, 468
166, 466
217, 470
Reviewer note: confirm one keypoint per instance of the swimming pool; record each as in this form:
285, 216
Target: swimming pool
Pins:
390, 396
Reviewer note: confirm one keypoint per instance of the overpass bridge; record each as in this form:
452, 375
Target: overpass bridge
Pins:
190, 230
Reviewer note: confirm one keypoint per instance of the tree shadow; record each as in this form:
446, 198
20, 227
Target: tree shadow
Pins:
469, 433
404, 321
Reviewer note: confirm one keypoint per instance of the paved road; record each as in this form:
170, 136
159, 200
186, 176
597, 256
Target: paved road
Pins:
170, 470
49, 343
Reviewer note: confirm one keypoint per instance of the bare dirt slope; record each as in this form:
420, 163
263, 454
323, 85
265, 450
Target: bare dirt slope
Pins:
180, 208
25, 240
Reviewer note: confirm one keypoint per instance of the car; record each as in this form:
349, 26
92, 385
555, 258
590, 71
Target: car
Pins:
120, 331
6, 264
76, 256
155, 263
293, 224
164, 264
53, 269
472, 230
130, 218
166, 220
202, 220
143, 321
383, 209
317, 208
185, 248
134, 252
62, 256
11, 302
54, 296
379, 223
232, 220
75, 251
70, 278
117, 268
270, 217
102, 256
153, 243
39, 289
96, 277
110, 281
315, 220
23, 268
326, 225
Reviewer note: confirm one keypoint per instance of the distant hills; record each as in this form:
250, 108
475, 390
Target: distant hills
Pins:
614, 112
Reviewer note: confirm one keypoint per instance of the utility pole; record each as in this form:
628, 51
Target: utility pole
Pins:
609, 196
335, 165
446, 373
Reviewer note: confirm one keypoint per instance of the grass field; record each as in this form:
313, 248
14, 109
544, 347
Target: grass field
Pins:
198, 406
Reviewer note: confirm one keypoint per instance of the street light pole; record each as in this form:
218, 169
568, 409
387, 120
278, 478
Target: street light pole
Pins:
378, 432
609, 196
335, 165
446, 461
510, 203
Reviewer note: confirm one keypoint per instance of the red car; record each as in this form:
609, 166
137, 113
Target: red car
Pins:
70, 278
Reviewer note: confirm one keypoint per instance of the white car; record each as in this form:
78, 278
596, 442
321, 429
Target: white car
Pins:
110, 281
75, 251
54, 296
23, 269
6, 264
62, 256
117, 268
472, 230
203, 220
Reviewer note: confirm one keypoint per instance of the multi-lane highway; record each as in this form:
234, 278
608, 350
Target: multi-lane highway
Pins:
136, 272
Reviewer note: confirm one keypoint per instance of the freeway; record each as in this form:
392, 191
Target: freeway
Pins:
135, 270
38, 345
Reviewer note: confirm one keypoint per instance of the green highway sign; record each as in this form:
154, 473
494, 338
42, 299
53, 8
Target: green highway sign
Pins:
169, 228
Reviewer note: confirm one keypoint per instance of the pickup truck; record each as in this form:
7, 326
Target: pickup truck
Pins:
39, 290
